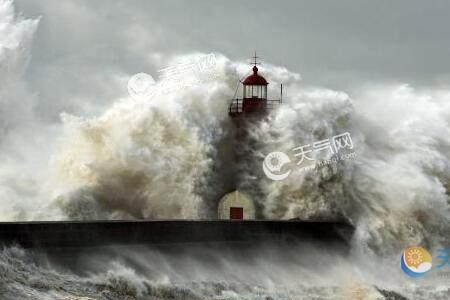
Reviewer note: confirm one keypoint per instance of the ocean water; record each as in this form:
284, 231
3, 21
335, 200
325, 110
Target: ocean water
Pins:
209, 272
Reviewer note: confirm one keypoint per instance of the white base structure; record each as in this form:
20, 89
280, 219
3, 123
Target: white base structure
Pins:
236, 206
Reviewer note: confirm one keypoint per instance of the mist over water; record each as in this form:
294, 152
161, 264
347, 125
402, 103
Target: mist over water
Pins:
164, 157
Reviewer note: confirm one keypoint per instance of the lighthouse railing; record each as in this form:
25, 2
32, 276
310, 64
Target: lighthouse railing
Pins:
236, 106
271, 104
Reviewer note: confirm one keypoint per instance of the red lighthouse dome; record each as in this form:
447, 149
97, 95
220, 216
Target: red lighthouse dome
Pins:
255, 78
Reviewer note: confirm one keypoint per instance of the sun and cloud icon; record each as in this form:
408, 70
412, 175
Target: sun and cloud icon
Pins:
416, 261
273, 164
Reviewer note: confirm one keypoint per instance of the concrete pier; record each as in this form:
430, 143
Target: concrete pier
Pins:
79, 234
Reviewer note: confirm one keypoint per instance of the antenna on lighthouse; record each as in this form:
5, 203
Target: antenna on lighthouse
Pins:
255, 62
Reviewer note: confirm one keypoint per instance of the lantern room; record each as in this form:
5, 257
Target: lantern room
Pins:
255, 86
254, 96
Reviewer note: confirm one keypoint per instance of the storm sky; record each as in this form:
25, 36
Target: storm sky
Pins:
84, 50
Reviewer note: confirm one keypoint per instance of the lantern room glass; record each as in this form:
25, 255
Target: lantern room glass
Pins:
258, 91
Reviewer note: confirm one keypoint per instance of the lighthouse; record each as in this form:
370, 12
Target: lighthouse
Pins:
254, 102
253, 107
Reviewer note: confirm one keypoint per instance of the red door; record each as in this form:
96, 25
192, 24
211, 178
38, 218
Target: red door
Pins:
236, 213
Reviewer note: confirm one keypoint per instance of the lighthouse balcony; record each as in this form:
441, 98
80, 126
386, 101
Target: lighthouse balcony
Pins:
251, 105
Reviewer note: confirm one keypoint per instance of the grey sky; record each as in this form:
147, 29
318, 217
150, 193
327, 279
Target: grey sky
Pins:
81, 45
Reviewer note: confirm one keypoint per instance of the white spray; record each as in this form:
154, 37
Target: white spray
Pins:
158, 157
